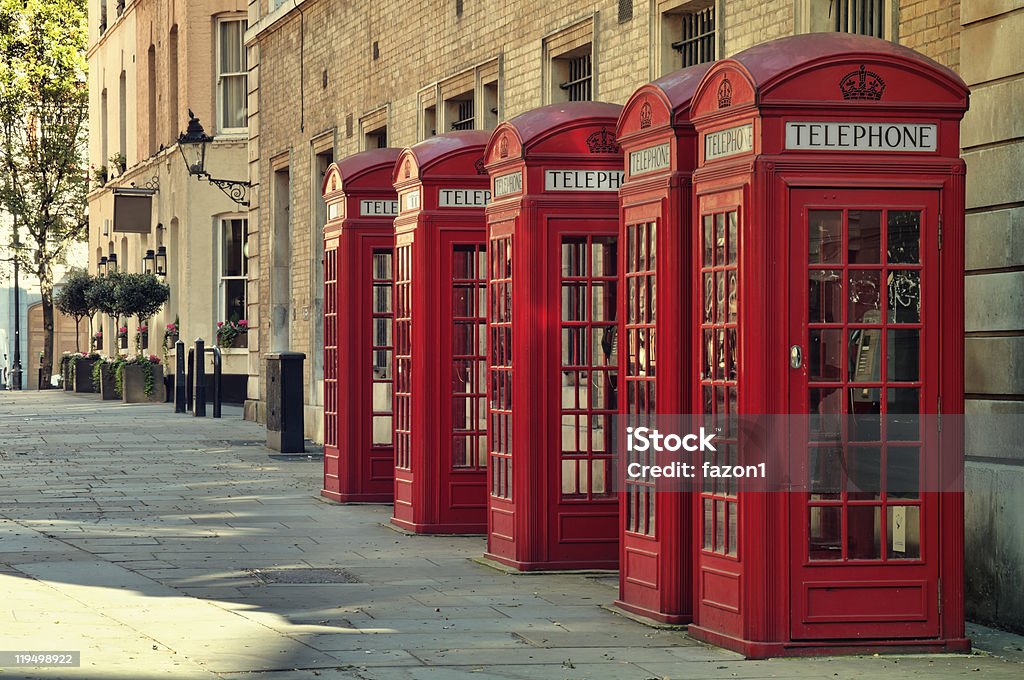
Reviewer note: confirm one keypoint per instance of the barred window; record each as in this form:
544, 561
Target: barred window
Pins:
579, 77
461, 112
697, 42
859, 16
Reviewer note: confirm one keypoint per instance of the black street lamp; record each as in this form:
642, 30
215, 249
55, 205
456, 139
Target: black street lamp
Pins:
16, 365
101, 266
192, 143
112, 263
148, 262
161, 261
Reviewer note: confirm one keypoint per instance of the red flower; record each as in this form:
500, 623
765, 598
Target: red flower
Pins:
220, 324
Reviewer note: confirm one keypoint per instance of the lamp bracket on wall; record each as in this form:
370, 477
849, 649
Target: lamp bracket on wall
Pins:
236, 190
152, 183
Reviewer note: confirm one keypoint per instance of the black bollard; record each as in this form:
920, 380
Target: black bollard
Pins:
199, 411
189, 393
179, 377
217, 376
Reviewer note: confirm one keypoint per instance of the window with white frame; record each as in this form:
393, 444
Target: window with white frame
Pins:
233, 268
231, 75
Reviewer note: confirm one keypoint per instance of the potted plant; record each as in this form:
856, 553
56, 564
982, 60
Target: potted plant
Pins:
140, 379
232, 333
72, 299
171, 334
99, 175
141, 296
122, 336
65, 372
81, 371
97, 340
103, 380
100, 296
119, 162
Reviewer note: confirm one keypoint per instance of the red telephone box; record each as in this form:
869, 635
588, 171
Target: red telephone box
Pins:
660, 148
553, 389
440, 335
828, 282
358, 347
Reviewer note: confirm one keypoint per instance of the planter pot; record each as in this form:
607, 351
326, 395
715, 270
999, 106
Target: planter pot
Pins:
239, 341
108, 386
97, 344
65, 372
135, 385
124, 341
170, 340
83, 375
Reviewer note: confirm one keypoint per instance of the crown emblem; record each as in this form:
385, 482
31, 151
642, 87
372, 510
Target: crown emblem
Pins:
407, 168
862, 84
645, 115
479, 165
503, 147
724, 93
602, 141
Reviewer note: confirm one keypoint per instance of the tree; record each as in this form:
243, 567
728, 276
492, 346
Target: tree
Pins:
43, 137
100, 295
72, 299
139, 295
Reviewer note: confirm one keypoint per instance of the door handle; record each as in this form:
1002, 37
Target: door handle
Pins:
796, 356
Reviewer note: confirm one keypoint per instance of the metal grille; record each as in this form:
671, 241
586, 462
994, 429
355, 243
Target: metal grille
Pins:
625, 10
578, 86
465, 121
697, 44
859, 16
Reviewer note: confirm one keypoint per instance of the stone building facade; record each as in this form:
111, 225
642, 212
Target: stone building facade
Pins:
150, 62
328, 79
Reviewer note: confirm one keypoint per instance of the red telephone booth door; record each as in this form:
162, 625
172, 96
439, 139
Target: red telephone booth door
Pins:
864, 317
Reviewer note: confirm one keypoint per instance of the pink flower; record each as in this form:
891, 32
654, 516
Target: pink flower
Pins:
172, 327
220, 324
243, 323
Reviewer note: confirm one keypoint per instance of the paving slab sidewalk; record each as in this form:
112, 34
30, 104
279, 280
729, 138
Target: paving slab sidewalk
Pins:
149, 541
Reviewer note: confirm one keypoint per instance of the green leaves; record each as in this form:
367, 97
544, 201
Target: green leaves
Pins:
71, 298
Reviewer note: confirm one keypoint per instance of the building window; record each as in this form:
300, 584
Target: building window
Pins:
459, 110
865, 17
686, 32
429, 122
568, 58
231, 75
233, 268
575, 75
373, 127
377, 138
696, 44
464, 101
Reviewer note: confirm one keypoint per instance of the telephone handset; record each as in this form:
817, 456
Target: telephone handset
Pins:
865, 357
